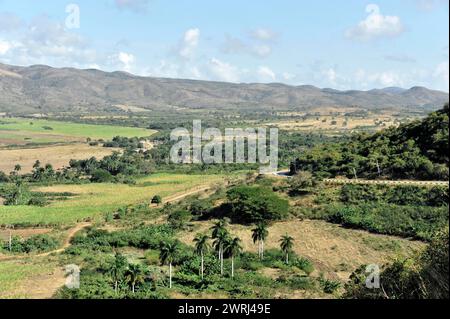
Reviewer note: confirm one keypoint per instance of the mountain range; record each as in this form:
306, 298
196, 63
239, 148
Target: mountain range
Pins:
44, 89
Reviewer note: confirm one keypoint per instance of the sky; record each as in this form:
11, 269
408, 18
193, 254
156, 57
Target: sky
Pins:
341, 44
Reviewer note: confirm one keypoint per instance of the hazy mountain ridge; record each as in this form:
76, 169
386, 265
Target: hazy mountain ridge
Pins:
41, 88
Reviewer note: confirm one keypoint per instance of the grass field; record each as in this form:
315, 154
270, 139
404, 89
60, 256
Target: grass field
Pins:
57, 155
29, 279
93, 200
22, 131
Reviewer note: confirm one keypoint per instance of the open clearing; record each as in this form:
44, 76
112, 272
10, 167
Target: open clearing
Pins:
22, 131
334, 250
94, 200
58, 155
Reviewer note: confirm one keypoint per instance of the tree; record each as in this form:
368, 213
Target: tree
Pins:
301, 182
233, 248
253, 204
168, 252
179, 218
134, 275
201, 246
220, 236
286, 245
156, 200
259, 235
118, 269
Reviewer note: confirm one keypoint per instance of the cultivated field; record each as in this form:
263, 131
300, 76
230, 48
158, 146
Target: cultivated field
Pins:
57, 155
25, 131
94, 200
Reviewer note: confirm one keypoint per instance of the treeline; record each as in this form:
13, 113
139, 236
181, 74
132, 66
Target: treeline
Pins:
418, 150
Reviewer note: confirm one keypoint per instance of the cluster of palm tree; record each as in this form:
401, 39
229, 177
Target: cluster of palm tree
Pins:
223, 243
133, 274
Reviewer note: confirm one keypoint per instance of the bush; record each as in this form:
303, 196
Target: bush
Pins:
37, 243
304, 264
256, 204
179, 218
156, 200
101, 176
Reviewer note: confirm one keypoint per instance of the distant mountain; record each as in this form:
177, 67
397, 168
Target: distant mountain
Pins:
43, 89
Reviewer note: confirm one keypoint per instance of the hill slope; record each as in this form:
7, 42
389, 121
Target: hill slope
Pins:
45, 89
418, 150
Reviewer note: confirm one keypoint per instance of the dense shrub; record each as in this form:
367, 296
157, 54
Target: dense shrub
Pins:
400, 195
256, 204
37, 243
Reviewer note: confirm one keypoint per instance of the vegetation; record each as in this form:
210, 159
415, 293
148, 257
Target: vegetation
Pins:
418, 150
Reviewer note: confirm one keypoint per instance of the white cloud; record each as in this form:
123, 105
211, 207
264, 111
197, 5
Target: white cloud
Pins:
376, 25
223, 71
5, 46
441, 73
263, 34
234, 45
122, 61
265, 74
330, 75
189, 43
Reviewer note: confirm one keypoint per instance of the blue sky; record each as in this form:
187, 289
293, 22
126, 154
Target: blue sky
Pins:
343, 44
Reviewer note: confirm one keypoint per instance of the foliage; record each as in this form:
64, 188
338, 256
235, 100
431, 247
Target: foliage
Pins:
256, 204
422, 277
418, 150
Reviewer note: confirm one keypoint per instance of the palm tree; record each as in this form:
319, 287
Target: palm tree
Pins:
117, 269
167, 254
222, 237
134, 275
286, 244
201, 246
259, 235
220, 234
233, 248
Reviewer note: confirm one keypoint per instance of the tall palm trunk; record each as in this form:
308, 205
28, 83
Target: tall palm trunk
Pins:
287, 258
116, 284
262, 249
232, 266
170, 275
132, 287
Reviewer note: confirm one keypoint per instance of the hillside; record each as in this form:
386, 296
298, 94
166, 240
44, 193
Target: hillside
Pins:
43, 89
418, 150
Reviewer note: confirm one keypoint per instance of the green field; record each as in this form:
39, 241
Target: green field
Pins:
38, 131
93, 200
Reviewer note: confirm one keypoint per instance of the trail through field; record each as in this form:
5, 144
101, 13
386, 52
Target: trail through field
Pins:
80, 226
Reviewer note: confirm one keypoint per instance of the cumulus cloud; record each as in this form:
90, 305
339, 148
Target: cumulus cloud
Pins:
376, 26
189, 43
223, 71
48, 42
441, 73
5, 46
124, 61
233, 45
265, 74
132, 5
263, 34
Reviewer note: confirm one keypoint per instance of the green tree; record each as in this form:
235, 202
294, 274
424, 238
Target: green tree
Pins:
201, 247
259, 235
157, 200
221, 236
233, 248
117, 269
286, 245
135, 275
168, 252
